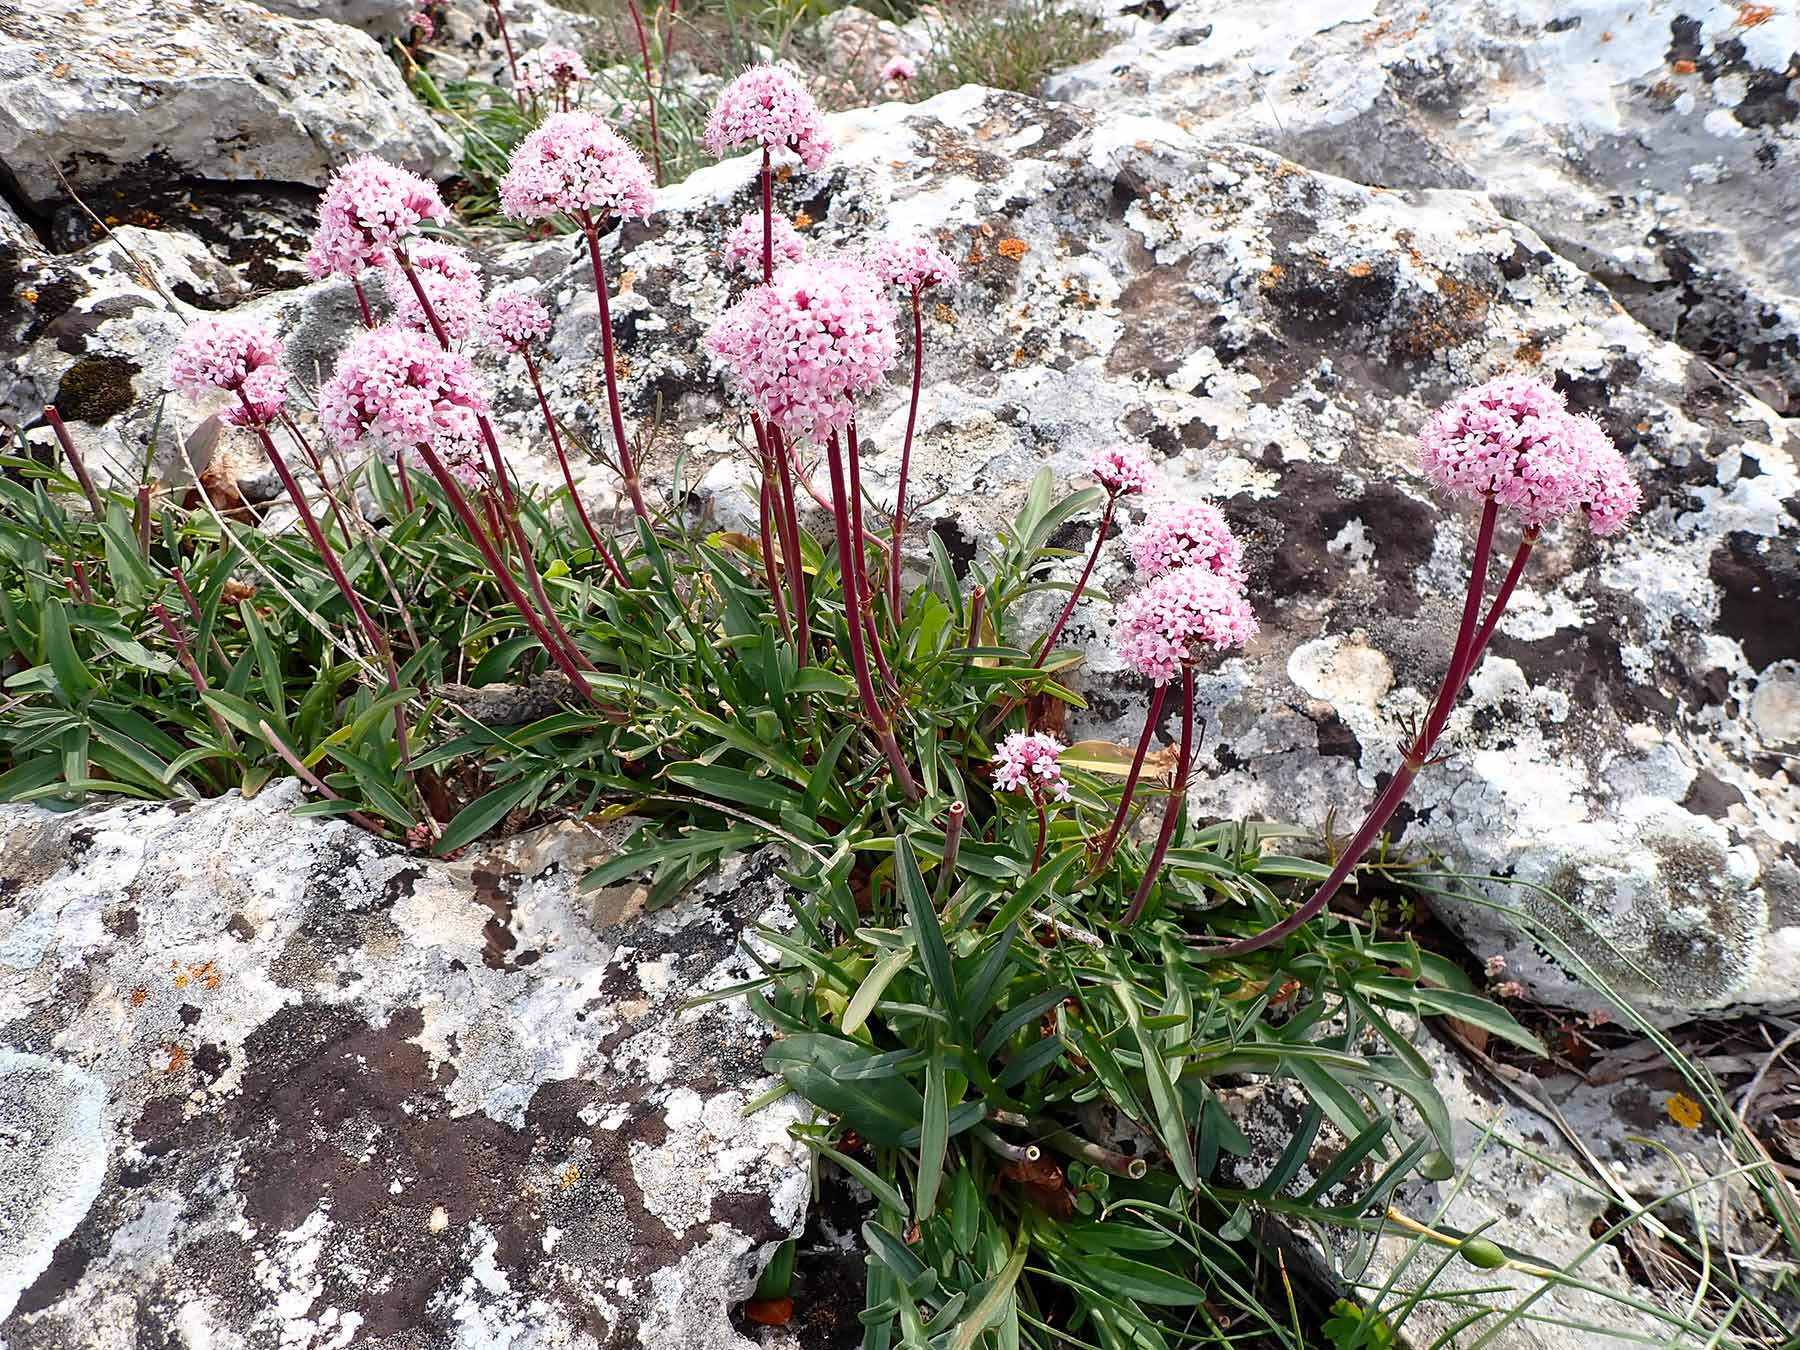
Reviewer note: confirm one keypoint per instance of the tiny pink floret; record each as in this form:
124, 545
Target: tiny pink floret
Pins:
1187, 534
767, 107
744, 245
1030, 762
900, 69
576, 165
913, 264
1122, 470
222, 354
1168, 623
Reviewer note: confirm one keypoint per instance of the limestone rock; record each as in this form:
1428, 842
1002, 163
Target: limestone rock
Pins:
155, 90
1657, 147
320, 1090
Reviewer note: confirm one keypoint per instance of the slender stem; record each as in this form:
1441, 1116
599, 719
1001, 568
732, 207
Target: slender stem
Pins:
1113, 835
418, 289
912, 418
568, 477
1501, 598
627, 470
312, 780
1075, 595
1177, 799
1037, 853
805, 480
768, 215
362, 303
188, 598
766, 508
853, 622
862, 562
140, 517
787, 523
73, 455
649, 90
83, 590
404, 474
1390, 797
186, 656
512, 64
977, 612
502, 577
953, 829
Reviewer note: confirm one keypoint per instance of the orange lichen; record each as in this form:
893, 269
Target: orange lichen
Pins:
1013, 249
1685, 67
1749, 16
138, 996
570, 1175
177, 1058
1684, 1111
802, 221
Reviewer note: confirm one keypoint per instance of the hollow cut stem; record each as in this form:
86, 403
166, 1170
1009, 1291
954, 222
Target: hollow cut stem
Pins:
853, 623
1113, 835
1390, 797
609, 359
76, 463
1177, 799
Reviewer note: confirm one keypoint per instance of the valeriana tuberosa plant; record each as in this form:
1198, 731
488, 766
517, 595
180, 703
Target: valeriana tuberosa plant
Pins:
555, 74
1508, 445
914, 266
369, 207
1122, 471
575, 165
1031, 763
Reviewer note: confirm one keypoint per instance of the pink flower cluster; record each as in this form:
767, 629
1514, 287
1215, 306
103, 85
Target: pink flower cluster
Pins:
577, 165
369, 206
766, 106
1122, 470
805, 345
744, 245
451, 282
1161, 625
406, 389
913, 264
1030, 762
1514, 439
1187, 534
421, 22
514, 321
552, 68
900, 68
233, 355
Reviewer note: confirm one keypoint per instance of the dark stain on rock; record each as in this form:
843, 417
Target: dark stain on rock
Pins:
240, 927
1711, 796
957, 543
96, 389
1759, 595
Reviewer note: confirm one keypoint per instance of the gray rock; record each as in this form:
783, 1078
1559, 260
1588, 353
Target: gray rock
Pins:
354, 1096
157, 89
1656, 148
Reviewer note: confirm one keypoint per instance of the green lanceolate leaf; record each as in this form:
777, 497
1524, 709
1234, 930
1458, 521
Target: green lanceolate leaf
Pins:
881, 1110
934, 1138
934, 955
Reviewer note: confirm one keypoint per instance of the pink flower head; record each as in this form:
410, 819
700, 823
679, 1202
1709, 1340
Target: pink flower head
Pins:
1030, 762
266, 389
514, 321
744, 245
1187, 534
551, 68
766, 106
901, 68
1161, 626
1122, 470
451, 282
1514, 439
576, 164
221, 354
913, 264
805, 345
1611, 496
402, 386
369, 206
421, 21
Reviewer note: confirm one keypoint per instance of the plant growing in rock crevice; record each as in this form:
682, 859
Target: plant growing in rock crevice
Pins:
965, 976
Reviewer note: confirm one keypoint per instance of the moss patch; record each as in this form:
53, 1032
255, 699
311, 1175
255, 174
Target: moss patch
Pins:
96, 389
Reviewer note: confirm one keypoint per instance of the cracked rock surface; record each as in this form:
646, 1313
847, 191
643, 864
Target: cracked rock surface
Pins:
287, 1085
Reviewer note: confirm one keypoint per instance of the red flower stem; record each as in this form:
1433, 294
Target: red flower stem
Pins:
512, 65
437, 325
912, 417
787, 523
1037, 854
853, 621
407, 502
1110, 844
188, 598
765, 509
768, 214
362, 303
1410, 762
140, 518
952, 843
627, 470
186, 656
312, 780
812, 490
1056, 628
73, 455
1177, 799
568, 477
862, 563
649, 90
465, 513
79, 586
1501, 598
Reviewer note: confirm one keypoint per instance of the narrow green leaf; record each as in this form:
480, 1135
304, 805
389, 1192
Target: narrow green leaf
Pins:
934, 1138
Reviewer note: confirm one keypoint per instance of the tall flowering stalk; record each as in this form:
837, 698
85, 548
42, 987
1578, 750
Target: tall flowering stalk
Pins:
914, 266
575, 165
512, 63
651, 84
1510, 444
1121, 472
